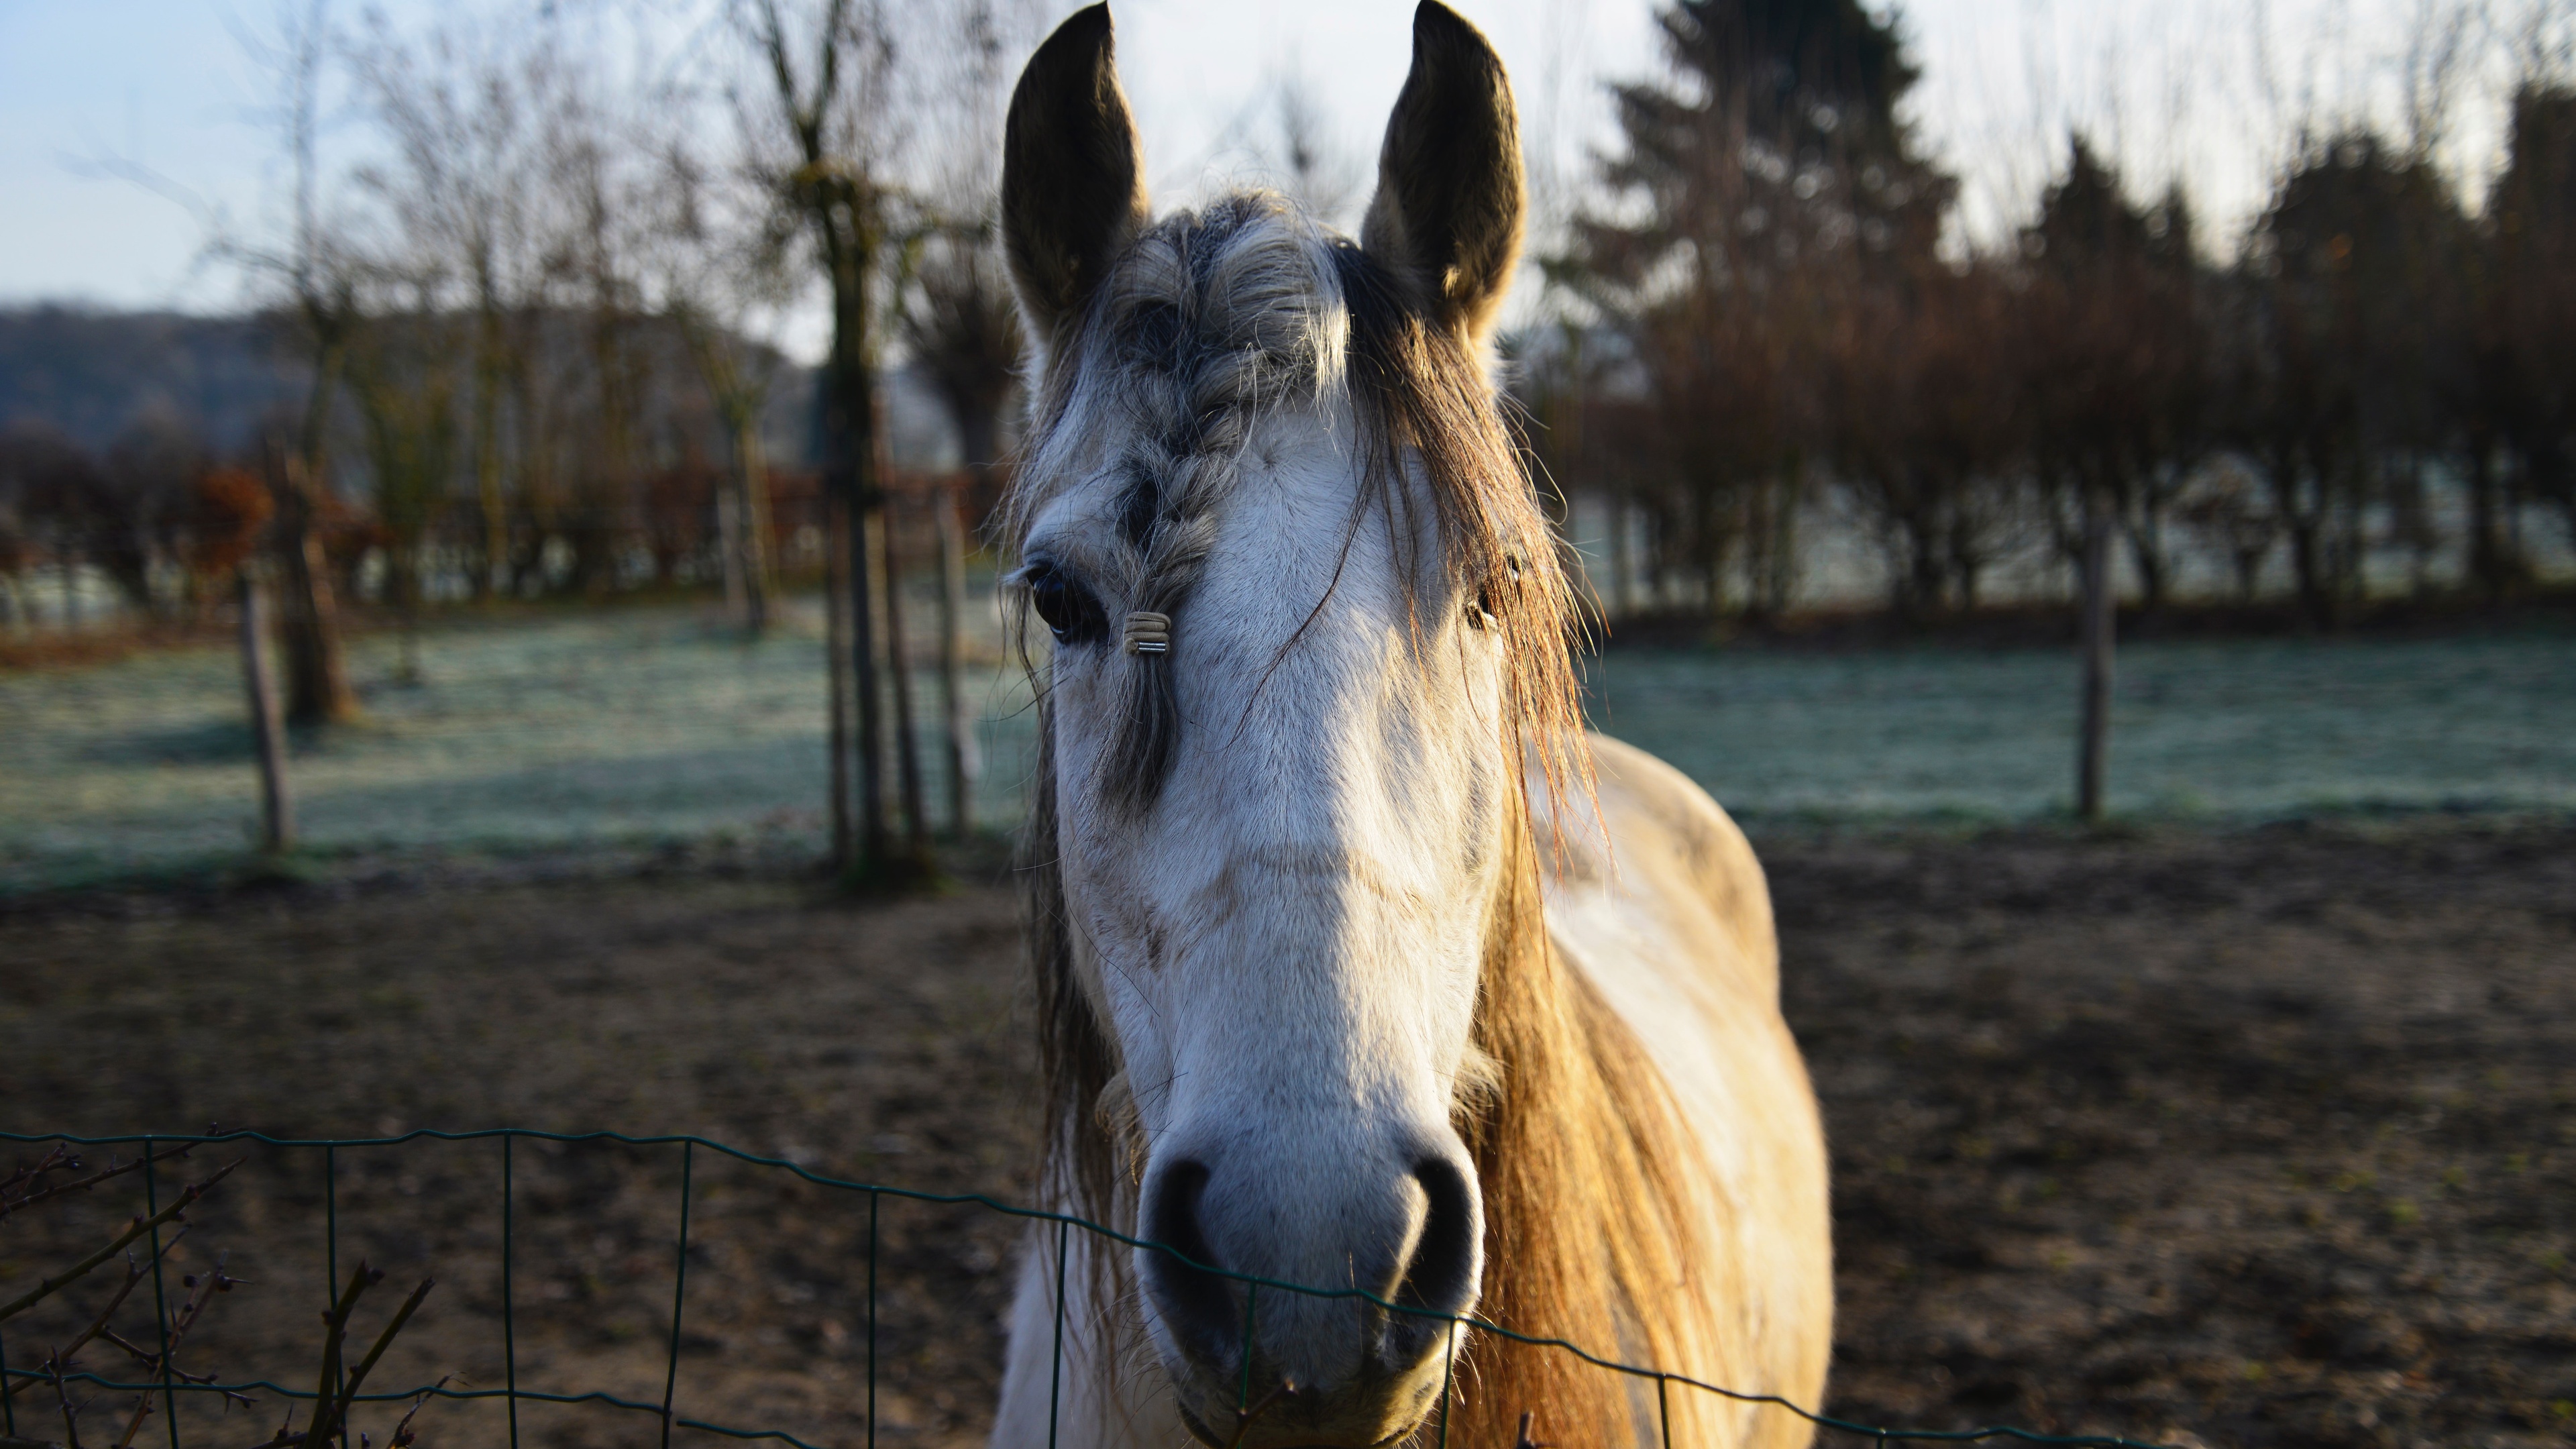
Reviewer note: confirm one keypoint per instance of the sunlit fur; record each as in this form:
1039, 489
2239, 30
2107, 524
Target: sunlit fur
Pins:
1639, 1122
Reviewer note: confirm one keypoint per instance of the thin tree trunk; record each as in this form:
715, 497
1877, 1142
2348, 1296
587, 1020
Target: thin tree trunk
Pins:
751, 464
408, 584
2491, 566
729, 548
965, 759
1783, 574
1712, 553
1623, 563
317, 672
2100, 601
907, 739
864, 687
276, 806
2147, 543
836, 669
487, 452
851, 461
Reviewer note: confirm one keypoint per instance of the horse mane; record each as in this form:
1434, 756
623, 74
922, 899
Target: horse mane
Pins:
1590, 1190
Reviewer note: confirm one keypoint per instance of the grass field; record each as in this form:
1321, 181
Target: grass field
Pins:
646, 727
2228, 731
533, 733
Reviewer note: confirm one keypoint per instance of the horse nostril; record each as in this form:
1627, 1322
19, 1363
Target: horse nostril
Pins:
1197, 1307
1441, 1278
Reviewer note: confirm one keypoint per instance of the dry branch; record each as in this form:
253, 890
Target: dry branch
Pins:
61, 1158
335, 1392
64, 1355
165, 1362
186, 1199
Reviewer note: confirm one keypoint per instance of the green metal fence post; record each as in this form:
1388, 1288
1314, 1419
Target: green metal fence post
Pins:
1664, 1407
679, 1289
1055, 1374
8, 1394
509, 1322
331, 1251
160, 1301
1243, 1395
873, 1199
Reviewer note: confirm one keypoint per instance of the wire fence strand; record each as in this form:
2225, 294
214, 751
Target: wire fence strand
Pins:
1065, 1223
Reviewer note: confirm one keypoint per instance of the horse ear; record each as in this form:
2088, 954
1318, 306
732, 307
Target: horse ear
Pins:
1073, 187
1450, 201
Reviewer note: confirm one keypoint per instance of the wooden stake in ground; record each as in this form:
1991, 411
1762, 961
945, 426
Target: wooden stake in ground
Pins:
965, 761
2101, 620
277, 808
836, 668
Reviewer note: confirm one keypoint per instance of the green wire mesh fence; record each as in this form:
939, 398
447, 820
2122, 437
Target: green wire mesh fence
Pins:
168, 1385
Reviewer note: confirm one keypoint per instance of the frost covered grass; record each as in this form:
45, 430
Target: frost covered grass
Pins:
645, 726
2221, 732
620, 727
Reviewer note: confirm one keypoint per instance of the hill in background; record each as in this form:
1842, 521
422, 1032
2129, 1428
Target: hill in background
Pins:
91, 374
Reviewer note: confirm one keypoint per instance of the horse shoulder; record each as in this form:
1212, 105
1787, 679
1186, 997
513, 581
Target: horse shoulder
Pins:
1664, 908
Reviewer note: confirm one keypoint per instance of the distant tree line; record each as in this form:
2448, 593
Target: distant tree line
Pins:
1773, 320
399, 513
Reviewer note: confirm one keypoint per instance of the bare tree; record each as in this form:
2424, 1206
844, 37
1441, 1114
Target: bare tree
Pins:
822, 138
1769, 207
402, 386
52, 486
961, 325
463, 110
314, 278
719, 263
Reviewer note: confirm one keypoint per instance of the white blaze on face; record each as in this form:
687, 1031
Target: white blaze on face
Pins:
1286, 943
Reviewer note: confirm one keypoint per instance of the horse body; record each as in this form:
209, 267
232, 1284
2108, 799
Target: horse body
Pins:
1357, 969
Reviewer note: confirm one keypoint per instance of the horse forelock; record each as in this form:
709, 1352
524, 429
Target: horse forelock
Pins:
1207, 324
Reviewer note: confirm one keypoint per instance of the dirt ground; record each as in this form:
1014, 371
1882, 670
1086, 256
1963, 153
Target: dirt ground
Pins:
2260, 1138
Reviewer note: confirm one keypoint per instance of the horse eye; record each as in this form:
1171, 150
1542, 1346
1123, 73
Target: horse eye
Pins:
1071, 614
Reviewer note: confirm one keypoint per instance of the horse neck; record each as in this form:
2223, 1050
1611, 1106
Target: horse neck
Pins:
1592, 1194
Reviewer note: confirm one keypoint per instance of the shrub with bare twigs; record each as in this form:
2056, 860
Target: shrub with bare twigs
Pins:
60, 1174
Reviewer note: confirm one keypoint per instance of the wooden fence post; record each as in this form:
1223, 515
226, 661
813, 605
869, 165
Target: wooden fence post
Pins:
2101, 620
277, 807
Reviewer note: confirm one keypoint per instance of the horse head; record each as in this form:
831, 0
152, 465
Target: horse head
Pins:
1307, 625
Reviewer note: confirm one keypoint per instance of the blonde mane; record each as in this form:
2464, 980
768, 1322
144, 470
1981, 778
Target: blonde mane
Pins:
1591, 1190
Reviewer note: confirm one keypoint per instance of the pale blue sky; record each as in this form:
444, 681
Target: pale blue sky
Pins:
2175, 87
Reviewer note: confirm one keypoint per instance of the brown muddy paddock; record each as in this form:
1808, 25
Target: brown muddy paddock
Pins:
2260, 1138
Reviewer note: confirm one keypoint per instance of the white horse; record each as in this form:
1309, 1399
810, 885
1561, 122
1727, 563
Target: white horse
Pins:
1358, 966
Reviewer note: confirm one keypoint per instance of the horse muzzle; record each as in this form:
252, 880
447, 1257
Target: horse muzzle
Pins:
1330, 1318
